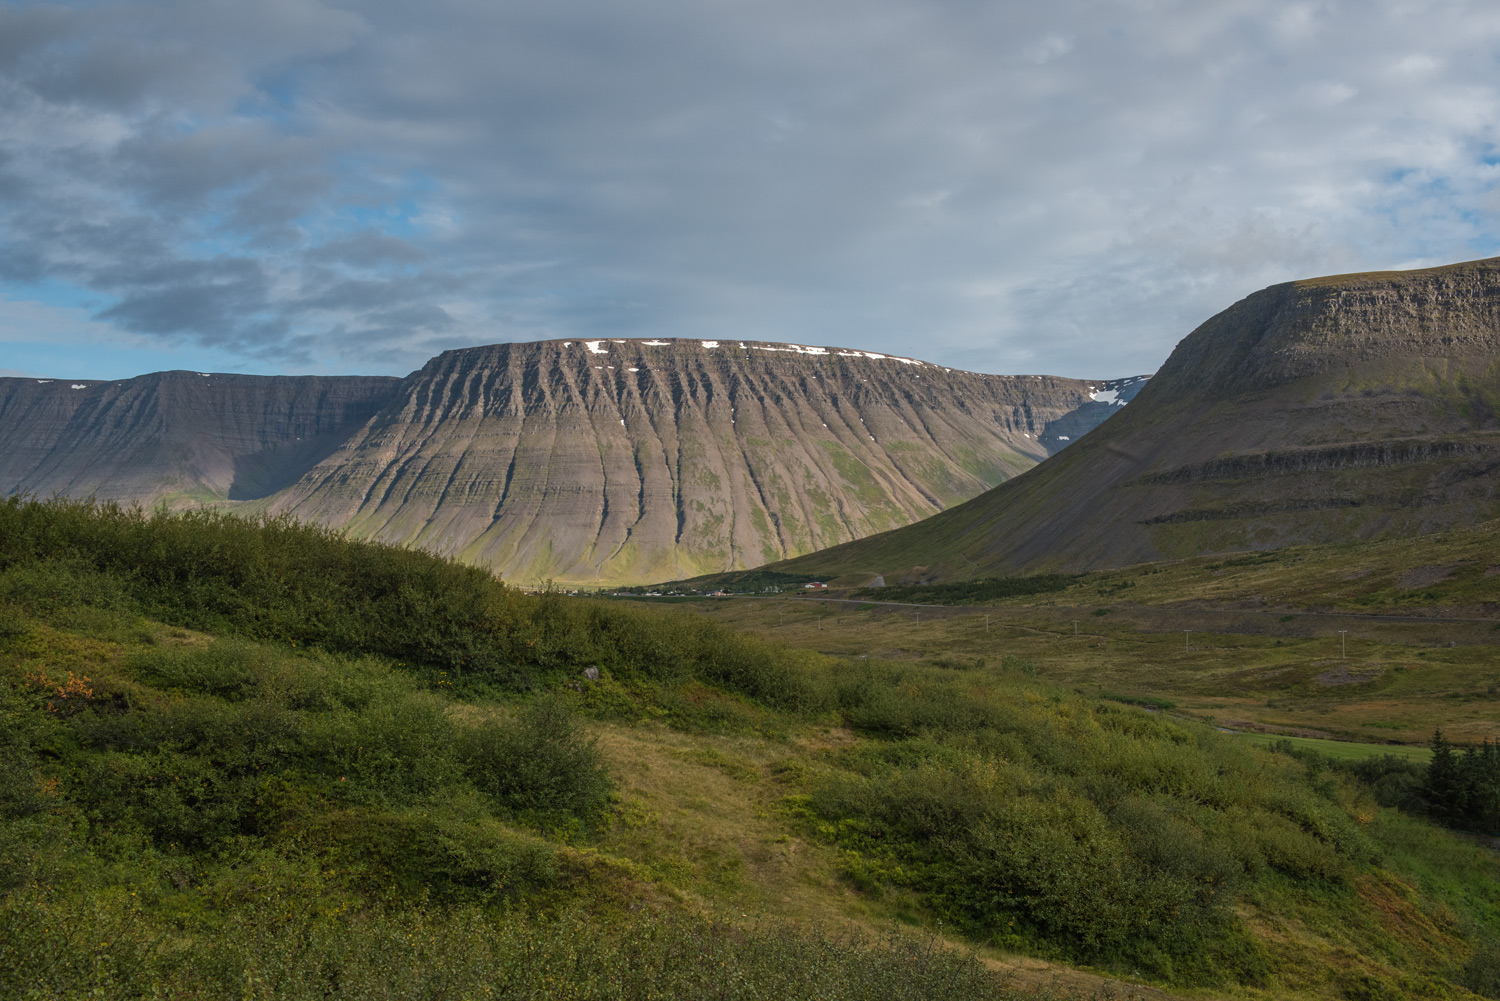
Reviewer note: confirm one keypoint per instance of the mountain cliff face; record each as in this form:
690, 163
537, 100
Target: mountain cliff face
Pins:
582, 461
639, 460
175, 437
1341, 408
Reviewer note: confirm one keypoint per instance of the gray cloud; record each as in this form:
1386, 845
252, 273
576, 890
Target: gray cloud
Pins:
1068, 188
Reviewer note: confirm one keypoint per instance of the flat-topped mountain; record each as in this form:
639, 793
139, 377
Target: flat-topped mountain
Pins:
637, 460
1342, 408
611, 461
175, 437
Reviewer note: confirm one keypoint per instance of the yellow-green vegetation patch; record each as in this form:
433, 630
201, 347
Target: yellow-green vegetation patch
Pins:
1340, 750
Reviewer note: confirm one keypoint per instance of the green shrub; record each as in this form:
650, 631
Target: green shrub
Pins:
1072, 826
391, 751
279, 950
62, 581
457, 626
13, 624
1020, 665
543, 765
228, 669
428, 851
207, 745
1482, 973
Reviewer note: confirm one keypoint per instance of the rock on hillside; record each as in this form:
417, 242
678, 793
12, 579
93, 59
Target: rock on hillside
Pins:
175, 437
1351, 407
639, 460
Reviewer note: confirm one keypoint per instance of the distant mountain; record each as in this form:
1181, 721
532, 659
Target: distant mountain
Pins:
611, 461
178, 438
1351, 407
637, 460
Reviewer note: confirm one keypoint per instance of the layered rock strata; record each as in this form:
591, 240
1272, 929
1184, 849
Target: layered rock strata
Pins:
177, 438
640, 460
1335, 409
580, 461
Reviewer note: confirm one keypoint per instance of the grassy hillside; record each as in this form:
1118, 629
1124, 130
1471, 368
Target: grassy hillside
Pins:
1351, 407
1370, 641
260, 761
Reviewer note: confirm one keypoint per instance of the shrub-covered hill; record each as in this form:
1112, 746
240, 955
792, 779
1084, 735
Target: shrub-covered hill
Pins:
257, 760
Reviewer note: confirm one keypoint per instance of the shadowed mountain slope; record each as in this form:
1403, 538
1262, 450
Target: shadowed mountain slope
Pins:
175, 437
1334, 409
637, 460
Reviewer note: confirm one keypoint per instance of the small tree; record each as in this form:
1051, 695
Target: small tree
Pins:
1443, 788
1479, 779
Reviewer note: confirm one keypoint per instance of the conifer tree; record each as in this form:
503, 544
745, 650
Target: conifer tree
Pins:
1442, 788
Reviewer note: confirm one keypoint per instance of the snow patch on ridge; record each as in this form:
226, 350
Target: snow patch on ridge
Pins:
880, 357
594, 348
797, 349
1118, 391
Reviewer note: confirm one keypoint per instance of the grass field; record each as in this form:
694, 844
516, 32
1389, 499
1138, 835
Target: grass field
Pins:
260, 761
1342, 750
1353, 677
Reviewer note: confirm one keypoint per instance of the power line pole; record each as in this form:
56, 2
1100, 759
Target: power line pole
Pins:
1343, 649
1185, 634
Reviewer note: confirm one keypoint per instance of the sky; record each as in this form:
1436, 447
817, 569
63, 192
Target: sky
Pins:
296, 186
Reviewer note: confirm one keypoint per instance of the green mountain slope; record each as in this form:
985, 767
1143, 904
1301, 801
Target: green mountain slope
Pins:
1342, 408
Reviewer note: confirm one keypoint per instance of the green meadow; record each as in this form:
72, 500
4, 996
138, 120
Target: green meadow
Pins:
257, 760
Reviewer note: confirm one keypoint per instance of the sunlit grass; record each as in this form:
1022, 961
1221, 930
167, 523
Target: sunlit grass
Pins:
216, 783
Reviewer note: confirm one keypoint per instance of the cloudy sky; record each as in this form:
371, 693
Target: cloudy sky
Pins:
292, 186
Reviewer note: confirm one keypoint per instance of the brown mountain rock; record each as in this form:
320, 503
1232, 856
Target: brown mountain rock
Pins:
639, 460
175, 437
1335, 409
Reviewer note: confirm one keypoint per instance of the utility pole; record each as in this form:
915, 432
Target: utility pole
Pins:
1343, 649
1185, 634
986, 624
1075, 629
